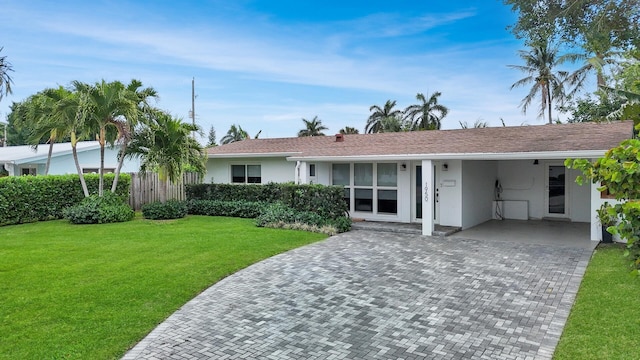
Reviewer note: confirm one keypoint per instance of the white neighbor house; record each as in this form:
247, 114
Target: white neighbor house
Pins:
25, 160
458, 178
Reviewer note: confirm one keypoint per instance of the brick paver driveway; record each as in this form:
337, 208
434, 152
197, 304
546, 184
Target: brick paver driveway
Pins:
372, 295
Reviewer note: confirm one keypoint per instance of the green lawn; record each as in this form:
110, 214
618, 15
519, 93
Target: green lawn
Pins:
93, 291
605, 320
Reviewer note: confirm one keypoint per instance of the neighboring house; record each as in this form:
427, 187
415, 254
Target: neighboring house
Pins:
26, 160
458, 178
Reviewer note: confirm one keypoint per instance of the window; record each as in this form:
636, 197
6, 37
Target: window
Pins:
97, 170
28, 171
368, 187
340, 174
312, 170
246, 174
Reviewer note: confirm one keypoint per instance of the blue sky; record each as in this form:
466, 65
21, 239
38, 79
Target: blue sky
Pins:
266, 64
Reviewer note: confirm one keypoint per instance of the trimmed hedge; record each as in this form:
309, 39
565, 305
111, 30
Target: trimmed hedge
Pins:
26, 199
171, 209
325, 201
241, 209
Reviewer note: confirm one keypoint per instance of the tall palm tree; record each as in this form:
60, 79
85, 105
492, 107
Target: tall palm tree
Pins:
428, 114
125, 127
349, 130
540, 66
235, 133
109, 105
166, 144
5, 79
312, 128
374, 123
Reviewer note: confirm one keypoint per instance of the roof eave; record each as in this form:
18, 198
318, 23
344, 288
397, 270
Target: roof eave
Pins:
540, 155
252, 155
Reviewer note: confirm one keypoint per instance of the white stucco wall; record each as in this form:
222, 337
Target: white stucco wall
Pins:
478, 184
272, 169
523, 180
64, 164
449, 185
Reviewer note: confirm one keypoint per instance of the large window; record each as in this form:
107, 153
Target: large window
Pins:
369, 187
246, 174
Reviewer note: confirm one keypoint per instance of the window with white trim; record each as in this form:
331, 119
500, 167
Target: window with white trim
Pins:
246, 174
368, 187
28, 171
97, 170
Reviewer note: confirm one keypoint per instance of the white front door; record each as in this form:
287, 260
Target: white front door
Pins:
556, 199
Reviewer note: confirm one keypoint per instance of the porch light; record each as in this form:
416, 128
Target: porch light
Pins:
535, 162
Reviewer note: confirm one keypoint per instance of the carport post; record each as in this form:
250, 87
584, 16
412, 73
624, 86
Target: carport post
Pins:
427, 197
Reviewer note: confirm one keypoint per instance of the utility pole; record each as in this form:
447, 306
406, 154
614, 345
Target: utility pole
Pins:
193, 105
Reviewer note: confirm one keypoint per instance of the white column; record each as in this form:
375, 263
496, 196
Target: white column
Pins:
303, 172
427, 197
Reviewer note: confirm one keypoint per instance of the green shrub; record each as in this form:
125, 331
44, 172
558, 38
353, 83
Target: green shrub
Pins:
325, 201
279, 214
241, 209
38, 198
95, 209
164, 211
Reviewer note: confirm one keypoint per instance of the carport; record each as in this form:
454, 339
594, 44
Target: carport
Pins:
544, 232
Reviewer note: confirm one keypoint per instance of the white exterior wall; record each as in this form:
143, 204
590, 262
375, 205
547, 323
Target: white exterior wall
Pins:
64, 164
478, 184
277, 170
522, 180
449, 184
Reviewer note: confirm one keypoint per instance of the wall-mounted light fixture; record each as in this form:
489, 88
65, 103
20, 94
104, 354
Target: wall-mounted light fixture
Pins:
445, 167
535, 162
403, 167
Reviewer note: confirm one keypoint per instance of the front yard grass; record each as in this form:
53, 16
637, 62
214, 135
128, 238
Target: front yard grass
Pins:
93, 291
605, 319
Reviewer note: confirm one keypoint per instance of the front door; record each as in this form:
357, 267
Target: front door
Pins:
556, 194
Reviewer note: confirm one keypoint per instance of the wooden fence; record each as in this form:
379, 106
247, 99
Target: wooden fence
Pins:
145, 188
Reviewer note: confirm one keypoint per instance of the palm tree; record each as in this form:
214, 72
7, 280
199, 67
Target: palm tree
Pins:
540, 63
428, 114
235, 133
478, 124
166, 144
394, 124
109, 107
312, 128
374, 123
5, 79
141, 97
349, 130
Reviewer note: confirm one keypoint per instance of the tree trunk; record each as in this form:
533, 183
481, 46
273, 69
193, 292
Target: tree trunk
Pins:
101, 173
162, 179
549, 104
46, 167
74, 142
117, 173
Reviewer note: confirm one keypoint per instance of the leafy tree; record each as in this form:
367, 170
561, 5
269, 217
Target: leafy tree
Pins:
395, 124
5, 79
379, 114
212, 137
235, 133
349, 130
16, 135
476, 125
428, 114
616, 22
540, 66
165, 144
618, 171
593, 109
312, 127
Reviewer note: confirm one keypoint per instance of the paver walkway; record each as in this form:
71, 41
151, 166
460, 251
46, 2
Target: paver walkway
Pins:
369, 295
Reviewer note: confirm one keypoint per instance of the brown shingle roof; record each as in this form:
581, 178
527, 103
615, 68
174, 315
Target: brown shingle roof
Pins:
496, 140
